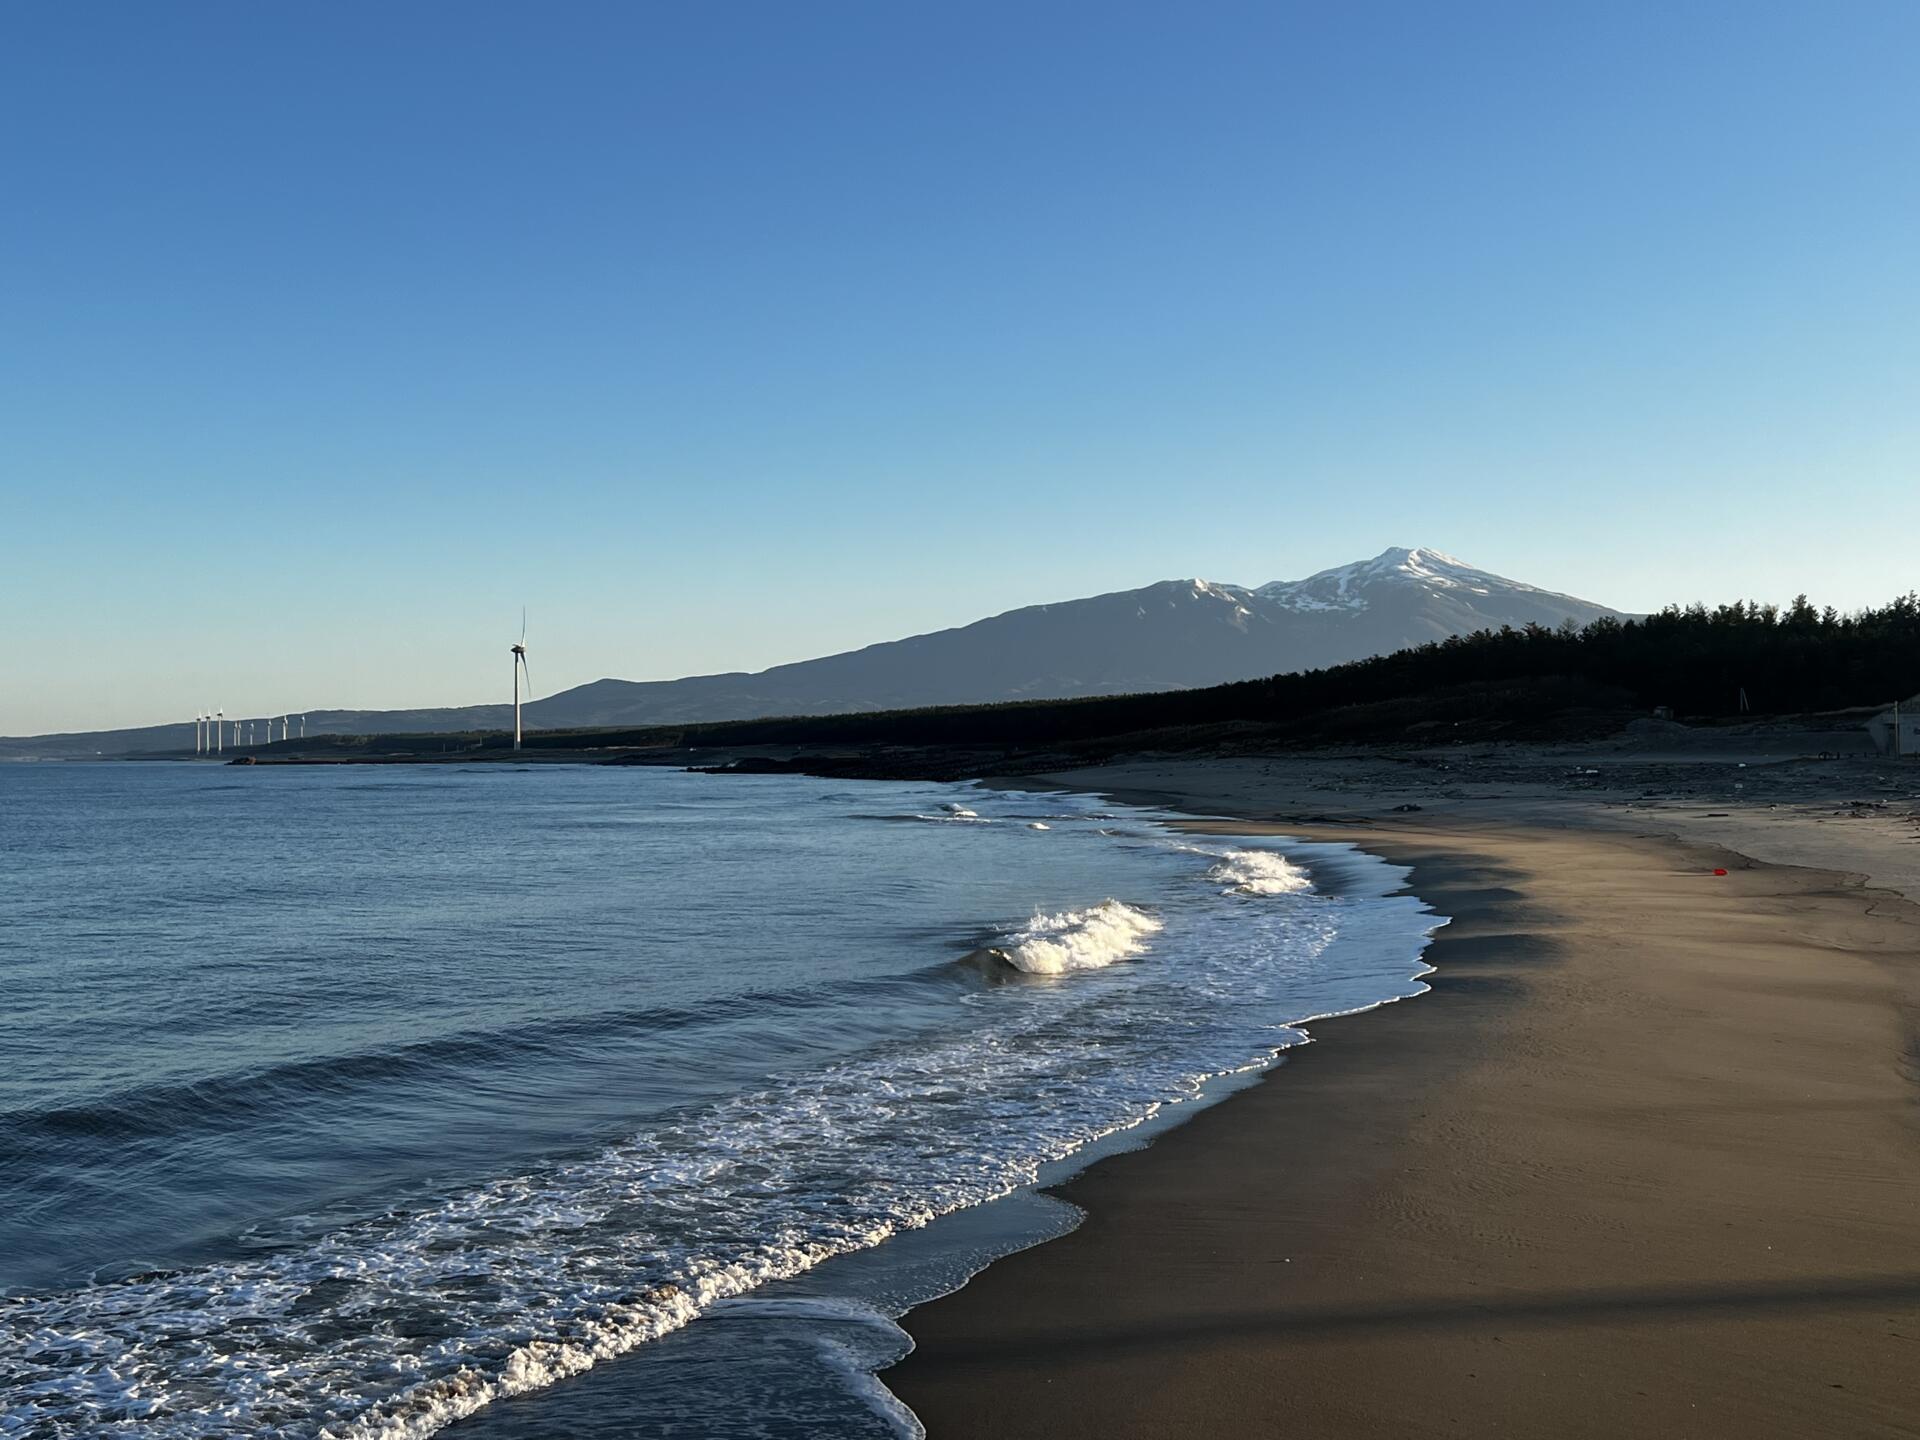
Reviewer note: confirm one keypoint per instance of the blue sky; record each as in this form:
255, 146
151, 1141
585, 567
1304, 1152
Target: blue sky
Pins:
726, 335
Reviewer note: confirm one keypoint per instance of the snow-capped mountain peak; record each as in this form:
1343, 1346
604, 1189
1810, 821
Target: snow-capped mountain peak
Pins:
1345, 587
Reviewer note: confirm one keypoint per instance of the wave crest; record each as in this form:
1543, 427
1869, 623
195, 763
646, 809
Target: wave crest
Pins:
1088, 939
1259, 872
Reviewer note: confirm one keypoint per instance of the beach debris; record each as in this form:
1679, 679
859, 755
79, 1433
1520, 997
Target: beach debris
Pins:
1719, 871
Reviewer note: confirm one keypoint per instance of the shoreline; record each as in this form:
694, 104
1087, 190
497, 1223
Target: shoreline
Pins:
1558, 1196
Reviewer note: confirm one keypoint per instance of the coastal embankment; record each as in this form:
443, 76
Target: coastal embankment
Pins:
1645, 1162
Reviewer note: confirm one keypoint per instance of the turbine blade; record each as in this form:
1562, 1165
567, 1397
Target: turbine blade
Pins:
523, 624
528, 674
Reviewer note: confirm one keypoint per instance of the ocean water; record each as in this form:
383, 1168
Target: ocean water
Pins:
514, 1102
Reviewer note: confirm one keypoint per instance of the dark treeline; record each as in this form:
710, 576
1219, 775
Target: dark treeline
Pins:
1696, 660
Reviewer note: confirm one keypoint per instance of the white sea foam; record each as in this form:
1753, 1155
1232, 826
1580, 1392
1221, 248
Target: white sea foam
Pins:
1088, 939
1260, 872
1038, 825
956, 815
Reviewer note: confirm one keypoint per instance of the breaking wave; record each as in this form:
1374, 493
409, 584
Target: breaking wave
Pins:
1089, 939
1260, 872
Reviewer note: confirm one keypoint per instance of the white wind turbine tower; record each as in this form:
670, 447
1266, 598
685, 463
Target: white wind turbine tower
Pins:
219, 731
519, 669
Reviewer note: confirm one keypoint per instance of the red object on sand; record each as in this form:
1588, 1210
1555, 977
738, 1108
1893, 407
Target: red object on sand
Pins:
1719, 872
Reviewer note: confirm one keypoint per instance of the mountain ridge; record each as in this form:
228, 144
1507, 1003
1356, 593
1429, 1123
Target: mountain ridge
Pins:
1168, 635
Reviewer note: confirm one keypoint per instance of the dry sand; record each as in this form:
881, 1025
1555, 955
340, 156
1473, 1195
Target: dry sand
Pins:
1645, 1162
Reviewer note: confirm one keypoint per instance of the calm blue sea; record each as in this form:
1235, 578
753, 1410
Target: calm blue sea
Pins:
386, 1101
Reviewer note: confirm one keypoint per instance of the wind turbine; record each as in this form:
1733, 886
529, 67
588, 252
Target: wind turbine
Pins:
219, 731
519, 669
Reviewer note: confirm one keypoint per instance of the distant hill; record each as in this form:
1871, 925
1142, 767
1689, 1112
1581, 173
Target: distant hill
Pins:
105, 744
1174, 635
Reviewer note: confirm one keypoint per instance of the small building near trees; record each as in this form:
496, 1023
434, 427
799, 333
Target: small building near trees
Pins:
1896, 731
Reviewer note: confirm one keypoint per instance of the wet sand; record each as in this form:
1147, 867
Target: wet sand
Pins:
1645, 1162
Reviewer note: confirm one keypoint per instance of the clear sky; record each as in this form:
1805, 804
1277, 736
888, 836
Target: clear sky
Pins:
722, 335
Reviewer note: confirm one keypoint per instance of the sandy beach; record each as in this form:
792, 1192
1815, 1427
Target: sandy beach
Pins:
1645, 1162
